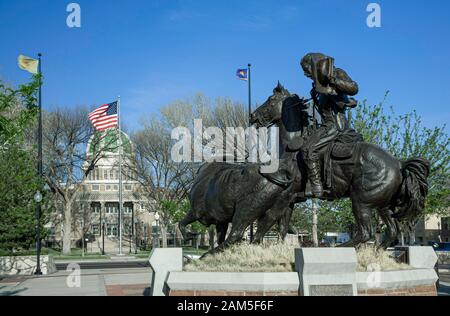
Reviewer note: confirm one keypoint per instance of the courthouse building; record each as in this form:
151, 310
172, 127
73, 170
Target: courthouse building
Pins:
97, 207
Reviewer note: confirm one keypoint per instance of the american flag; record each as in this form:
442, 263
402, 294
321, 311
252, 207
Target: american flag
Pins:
105, 117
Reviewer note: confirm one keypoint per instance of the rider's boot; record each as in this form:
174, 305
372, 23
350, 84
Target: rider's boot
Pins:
315, 179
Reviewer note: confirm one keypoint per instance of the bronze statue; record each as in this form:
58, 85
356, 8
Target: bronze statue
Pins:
331, 88
327, 152
373, 179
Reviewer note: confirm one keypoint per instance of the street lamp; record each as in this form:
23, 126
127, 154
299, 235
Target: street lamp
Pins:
38, 195
136, 222
103, 236
145, 234
38, 200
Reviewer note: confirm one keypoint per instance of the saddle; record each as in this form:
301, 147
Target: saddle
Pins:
342, 149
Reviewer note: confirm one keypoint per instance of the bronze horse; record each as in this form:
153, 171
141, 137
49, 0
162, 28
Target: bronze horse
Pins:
374, 180
239, 194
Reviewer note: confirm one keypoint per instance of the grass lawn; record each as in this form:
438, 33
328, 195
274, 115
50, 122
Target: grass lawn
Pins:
194, 251
76, 254
186, 251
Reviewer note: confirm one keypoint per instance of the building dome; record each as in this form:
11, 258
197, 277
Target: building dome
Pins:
108, 142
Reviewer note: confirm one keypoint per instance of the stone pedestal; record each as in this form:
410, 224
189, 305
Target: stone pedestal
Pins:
163, 261
420, 257
326, 271
26, 265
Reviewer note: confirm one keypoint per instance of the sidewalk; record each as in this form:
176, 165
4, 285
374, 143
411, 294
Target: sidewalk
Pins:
111, 282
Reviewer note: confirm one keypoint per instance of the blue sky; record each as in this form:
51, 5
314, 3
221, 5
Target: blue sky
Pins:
152, 52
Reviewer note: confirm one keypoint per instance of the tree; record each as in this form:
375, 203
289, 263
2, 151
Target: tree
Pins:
164, 182
18, 111
18, 184
327, 221
66, 162
19, 180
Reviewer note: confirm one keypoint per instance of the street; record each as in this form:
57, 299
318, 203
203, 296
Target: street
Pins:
444, 281
92, 282
105, 264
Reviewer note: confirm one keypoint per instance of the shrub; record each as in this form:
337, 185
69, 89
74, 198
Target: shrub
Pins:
271, 257
372, 257
279, 257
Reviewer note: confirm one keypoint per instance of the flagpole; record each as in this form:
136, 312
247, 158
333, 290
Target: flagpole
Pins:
120, 179
249, 92
40, 172
249, 123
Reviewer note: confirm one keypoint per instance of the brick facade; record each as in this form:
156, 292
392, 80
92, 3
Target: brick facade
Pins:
422, 290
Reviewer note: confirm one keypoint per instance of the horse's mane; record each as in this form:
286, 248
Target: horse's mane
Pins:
294, 114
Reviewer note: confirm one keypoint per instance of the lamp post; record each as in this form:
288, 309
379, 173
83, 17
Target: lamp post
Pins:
133, 230
136, 237
145, 234
38, 200
38, 195
103, 236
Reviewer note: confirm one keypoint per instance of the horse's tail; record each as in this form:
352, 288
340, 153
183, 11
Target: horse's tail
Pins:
413, 190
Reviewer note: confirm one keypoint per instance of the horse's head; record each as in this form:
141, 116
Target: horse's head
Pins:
270, 112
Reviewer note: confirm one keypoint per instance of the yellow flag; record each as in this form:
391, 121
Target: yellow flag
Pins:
28, 64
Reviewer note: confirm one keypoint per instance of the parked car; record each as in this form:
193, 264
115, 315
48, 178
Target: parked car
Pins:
440, 246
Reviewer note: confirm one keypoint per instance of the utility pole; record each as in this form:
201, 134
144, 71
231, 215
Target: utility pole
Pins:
249, 113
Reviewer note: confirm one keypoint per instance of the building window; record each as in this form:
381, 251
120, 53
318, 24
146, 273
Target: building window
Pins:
129, 175
127, 230
96, 174
112, 230
96, 229
105, 174
96, 208
128, 187
128, 209
108, 188
95, 187
112, 208
111, 174
116, 188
